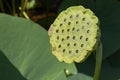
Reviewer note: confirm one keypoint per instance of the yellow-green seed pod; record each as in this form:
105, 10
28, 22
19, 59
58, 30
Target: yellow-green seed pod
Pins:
74, 34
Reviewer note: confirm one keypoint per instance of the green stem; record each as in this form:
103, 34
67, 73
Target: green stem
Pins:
98, 62
13, 6
21, 8
1, 6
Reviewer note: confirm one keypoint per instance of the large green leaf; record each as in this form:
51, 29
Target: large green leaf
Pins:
80, 77
26, 46
110, 71
108, 13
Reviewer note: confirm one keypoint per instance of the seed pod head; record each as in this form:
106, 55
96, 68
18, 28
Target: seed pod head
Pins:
74, 34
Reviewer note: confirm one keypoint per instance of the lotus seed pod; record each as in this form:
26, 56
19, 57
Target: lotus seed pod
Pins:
74, 34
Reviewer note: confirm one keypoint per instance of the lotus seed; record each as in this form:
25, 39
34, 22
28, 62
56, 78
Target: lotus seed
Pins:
77, 51
61, 24
75, 44
63, 50
83, 19
86, 39
73, 29
88, 31
81, 37
68, 30
65, 20
77, 22
62, 39
69, 23
68, 37
59, 46
77, 15
71, 16
70, 52
82, 45
78, 30
68, 44
57, 37
62, 30
73, 37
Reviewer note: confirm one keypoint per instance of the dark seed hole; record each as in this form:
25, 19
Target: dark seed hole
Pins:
83, 19
61, 24
57, 37
86, 39
81, 37
68, 37
63, 50
88, 31
77, 51
78, 30
73, 29
77, 15
82, 45
57, 31
68, 30
68, 44
77, 22
75, 44
62, 39
69, 23
71, 16
70, 52
62, 30
88, 23
73, 37
59, 46
65, 20
83, 27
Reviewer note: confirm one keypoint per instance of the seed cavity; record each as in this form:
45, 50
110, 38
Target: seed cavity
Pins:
82, 45
86, 39
88, 31
68, 37
70, 52
59, 46
83, 19
73, 29
61, 24
77, 15
69, 23
73, 37
78, 30
68, 30
81, 37
62, 30
83, 27
77, 51
57, 31
58, 37
77, 22
75, 44
68, 44
71, 16
88, 23
63, 50
62, 39
65, 20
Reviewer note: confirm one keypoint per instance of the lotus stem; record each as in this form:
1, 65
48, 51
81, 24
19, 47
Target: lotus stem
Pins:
98, 62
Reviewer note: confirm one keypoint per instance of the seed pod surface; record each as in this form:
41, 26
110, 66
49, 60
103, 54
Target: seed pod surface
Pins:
74, 34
